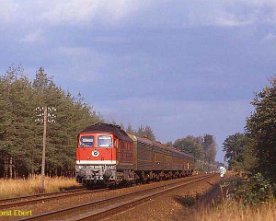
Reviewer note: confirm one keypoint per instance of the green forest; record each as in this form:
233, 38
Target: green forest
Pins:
21, 130
21, 127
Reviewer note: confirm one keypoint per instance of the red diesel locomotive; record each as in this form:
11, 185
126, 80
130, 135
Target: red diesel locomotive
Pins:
107, 154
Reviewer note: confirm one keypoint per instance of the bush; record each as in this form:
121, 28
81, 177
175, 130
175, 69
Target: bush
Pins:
253, 190
188, 200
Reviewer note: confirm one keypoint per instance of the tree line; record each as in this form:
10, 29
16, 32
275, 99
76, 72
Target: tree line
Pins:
21, 131
203, 148
254, 150
21, 127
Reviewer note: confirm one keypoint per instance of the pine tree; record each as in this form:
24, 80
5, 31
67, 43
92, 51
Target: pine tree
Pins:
21, 134
16, 124
146, 132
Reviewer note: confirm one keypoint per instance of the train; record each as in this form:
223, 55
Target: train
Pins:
106, 154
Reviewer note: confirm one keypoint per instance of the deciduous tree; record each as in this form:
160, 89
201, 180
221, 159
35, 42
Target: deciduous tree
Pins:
261, 127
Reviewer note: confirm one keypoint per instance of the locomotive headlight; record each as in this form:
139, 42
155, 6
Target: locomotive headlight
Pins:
95, 153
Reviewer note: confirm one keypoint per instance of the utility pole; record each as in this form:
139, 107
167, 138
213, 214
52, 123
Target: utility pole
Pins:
45, 119
48, 116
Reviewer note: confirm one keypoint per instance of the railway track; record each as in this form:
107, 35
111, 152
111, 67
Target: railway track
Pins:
107, 206
31, 199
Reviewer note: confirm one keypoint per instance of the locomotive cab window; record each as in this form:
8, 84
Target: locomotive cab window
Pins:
104, 141
87, 141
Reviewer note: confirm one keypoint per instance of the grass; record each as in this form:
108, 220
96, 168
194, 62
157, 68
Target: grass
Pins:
234, 211
20, 187
218, 205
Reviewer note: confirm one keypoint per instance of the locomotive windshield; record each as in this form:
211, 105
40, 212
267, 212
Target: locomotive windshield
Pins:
87, 141
104, 141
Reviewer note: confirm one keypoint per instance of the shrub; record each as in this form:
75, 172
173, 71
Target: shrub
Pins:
189, 200
252, 190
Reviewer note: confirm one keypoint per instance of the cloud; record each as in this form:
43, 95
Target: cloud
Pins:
137, 61
147, 13
7, 10
171, 112
183, 117
270, 37
227, 13
36, 36
171, 120
89, 11
68, 11
82, 65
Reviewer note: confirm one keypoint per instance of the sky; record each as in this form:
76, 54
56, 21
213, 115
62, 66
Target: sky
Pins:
182, 67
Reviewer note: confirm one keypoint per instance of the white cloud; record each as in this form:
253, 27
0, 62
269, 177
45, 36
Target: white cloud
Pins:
228, 12
73, 11
67, 11
139, 12
36, 36
8, 9
92, 11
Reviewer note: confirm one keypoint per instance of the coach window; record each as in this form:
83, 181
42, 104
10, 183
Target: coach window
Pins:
87, 141
104, 141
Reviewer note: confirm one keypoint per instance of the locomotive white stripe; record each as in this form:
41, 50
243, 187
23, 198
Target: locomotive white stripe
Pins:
92, 162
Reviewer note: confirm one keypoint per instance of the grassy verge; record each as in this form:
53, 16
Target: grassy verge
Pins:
237, 199
20, 187
234, 211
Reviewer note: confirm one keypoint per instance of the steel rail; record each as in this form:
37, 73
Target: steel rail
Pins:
37, 195
30, 199
86, 212
125, 205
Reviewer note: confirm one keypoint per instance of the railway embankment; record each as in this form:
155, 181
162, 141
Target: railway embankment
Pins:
234, 198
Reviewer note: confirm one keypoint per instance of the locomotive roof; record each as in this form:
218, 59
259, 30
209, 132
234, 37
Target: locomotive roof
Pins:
111, 128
